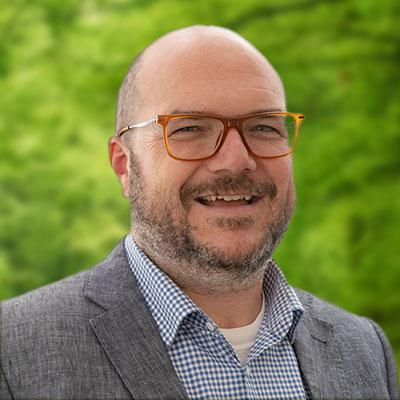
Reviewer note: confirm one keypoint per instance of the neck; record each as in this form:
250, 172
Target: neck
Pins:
230, 309
229, 297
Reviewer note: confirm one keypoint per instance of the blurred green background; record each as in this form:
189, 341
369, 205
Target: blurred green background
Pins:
61, 64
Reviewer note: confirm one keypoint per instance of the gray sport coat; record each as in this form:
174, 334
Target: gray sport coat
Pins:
91, 336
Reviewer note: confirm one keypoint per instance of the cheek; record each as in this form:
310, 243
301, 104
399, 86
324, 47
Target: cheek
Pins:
151, 153
163, 175
285, 183
282, 173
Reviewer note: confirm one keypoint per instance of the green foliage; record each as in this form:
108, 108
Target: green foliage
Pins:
61, 64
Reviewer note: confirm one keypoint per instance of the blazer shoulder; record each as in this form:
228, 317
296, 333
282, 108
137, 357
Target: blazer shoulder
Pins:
348, 328
332, 314
65, 296
361, 342
62, 292
49, 347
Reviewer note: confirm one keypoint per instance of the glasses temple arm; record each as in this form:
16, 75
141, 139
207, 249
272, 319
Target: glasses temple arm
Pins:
139, 125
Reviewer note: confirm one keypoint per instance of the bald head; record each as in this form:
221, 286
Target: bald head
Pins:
194, 54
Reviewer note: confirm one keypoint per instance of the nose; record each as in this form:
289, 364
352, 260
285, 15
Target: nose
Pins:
233, 156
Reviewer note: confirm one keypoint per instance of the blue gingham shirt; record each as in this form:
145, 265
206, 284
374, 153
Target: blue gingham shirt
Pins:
203, 359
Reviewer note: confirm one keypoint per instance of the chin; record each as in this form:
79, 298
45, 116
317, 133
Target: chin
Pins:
235, 241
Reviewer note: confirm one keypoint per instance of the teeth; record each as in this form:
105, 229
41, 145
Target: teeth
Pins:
228, 197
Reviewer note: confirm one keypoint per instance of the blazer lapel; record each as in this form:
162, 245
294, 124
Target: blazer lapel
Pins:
128, 333
318, 355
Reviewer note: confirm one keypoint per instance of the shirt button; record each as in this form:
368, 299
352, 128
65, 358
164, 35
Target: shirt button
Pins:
247, 370
210, 326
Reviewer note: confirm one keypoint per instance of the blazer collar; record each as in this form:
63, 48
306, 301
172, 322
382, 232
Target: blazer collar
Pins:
128, 333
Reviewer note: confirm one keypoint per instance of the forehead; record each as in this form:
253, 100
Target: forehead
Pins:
211, 74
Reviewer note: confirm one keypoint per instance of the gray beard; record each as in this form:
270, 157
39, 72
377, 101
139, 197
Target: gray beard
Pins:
169, 242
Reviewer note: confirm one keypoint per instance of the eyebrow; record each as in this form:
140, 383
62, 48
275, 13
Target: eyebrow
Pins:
177, 111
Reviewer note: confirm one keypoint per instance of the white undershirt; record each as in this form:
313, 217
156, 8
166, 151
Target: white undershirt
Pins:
242, 339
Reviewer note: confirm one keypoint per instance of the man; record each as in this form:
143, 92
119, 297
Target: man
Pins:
190, 304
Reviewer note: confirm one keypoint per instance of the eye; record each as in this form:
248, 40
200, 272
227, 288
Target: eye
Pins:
188, 133
263, 131
263, 128
192, 128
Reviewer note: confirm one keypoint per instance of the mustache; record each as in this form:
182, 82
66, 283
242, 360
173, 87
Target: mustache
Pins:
223, 184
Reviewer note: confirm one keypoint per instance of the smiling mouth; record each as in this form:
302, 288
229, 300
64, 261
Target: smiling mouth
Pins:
227, 200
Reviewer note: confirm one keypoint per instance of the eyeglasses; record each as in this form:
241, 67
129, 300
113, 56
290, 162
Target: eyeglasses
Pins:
195, 137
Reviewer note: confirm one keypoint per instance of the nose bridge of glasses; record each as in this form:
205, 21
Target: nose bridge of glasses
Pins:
233, 152
237, 125
232, 125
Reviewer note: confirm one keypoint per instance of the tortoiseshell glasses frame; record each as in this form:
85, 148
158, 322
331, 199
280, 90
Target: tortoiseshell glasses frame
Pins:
235, 122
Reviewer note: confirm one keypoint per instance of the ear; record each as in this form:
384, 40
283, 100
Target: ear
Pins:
119, 159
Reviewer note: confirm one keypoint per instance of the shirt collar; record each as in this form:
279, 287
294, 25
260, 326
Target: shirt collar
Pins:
169, 305
283, 307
